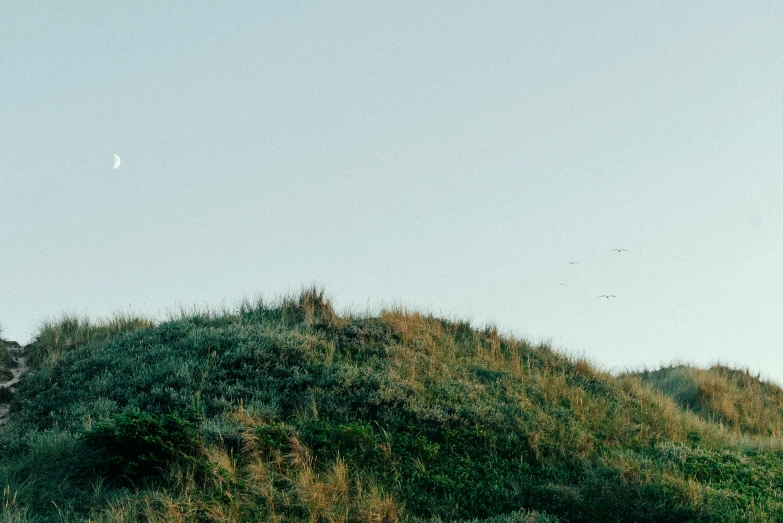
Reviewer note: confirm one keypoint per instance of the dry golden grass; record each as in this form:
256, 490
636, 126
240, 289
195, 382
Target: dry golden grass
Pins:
734, 399
273, 486
272, 490
312, 307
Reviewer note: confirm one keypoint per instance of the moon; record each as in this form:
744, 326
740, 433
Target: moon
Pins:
116, 161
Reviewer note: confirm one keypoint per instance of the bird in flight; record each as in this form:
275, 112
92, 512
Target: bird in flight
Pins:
564, 284
621, 250
607, 296
572, 263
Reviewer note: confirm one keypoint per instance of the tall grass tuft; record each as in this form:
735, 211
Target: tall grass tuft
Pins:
57, 337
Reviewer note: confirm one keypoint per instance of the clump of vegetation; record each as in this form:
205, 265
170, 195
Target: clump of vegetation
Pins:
136, 446
7, 363
290, 412
56, 338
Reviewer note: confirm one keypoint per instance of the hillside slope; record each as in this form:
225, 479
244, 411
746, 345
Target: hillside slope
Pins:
288, 412
735, 398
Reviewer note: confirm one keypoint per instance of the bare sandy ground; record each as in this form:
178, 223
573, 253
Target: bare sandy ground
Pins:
18, 354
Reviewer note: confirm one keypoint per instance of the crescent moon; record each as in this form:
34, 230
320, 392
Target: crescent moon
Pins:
116, 161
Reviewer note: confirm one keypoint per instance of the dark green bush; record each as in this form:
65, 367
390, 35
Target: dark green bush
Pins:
5, 395
138, 445
275, 436
355, 441
6, 363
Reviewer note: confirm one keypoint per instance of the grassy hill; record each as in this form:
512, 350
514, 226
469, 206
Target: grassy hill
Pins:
288, 412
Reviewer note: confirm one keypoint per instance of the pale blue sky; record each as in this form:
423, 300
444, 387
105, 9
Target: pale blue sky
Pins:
450, 157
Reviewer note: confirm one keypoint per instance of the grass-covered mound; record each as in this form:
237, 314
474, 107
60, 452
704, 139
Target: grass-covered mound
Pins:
735, 398
288, 412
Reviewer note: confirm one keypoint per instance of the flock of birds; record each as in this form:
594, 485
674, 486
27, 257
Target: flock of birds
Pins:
117, 161
607, 296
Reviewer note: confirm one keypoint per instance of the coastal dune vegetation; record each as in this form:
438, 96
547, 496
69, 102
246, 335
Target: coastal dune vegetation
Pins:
289, 411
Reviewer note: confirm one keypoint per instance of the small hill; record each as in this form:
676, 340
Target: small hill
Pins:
287, 411
734, 398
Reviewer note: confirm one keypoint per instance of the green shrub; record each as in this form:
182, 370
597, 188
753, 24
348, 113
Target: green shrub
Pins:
275, 436
7, 363
137, 445
5, 395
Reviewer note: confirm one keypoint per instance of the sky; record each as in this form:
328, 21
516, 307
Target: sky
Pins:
449, 157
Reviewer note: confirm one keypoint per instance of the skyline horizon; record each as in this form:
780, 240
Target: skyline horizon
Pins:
443, 157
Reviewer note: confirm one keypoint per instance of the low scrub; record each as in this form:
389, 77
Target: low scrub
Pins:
137, 446
7, 363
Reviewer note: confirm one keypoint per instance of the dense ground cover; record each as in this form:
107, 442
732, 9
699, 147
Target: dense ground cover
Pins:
288, 412
7, 362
